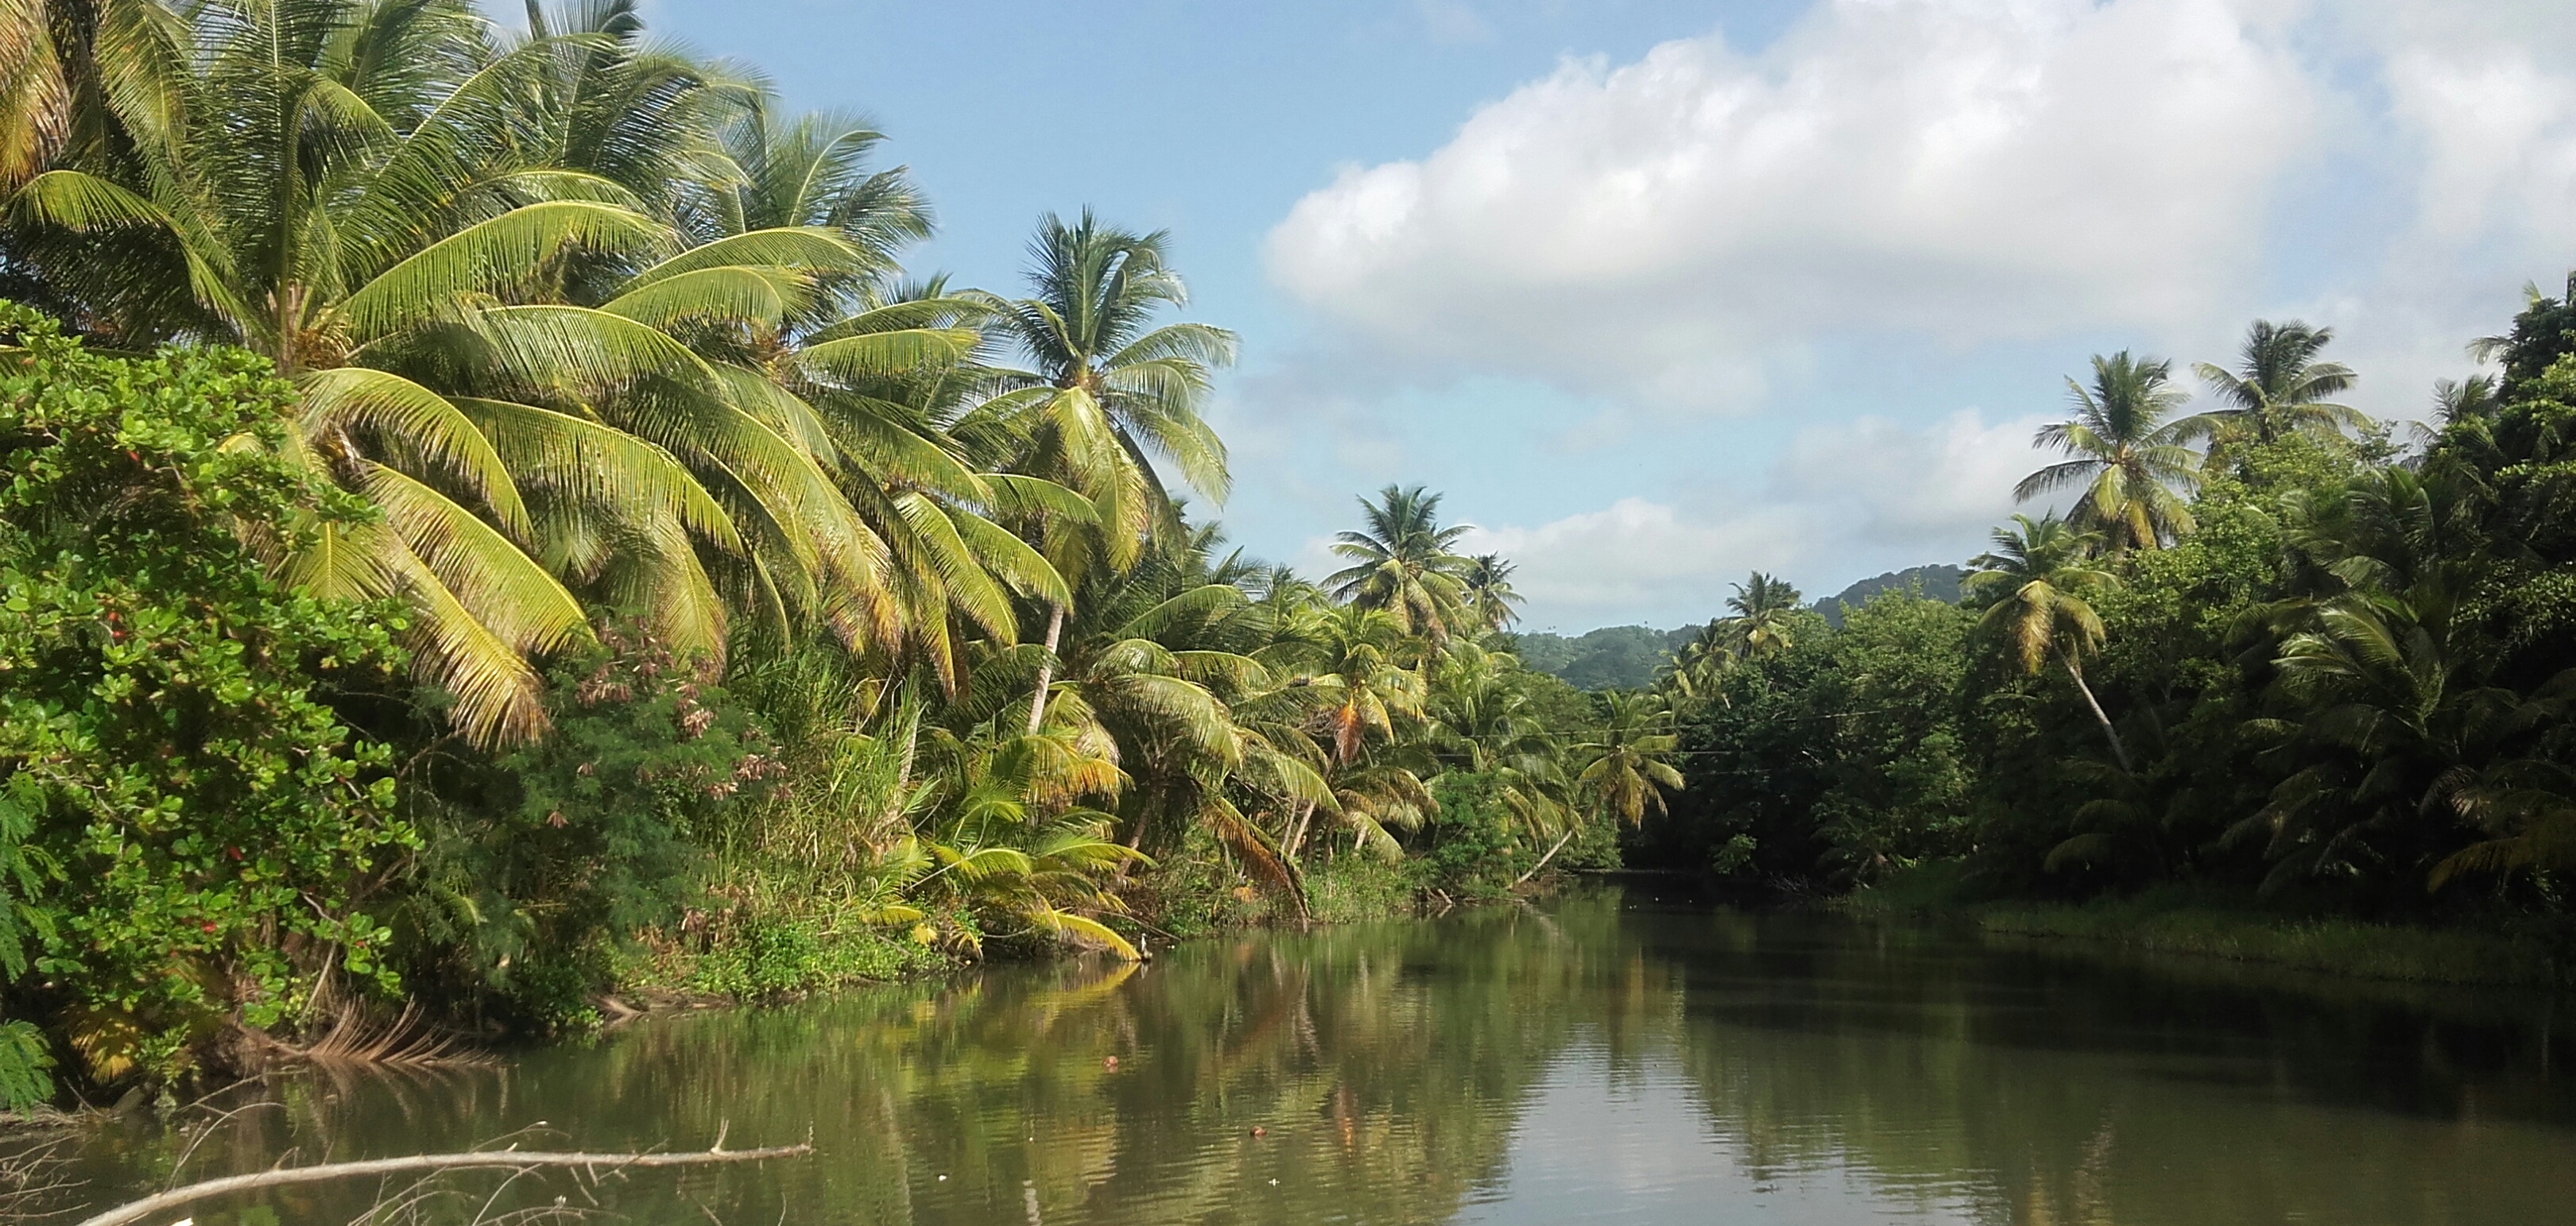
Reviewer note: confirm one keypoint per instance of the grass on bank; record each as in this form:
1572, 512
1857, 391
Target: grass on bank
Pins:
2210, 923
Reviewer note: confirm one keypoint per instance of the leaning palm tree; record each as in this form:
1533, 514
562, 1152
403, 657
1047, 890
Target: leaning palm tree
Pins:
1402, 563
2130, 457
2279, 387
1485, 592
2041, 571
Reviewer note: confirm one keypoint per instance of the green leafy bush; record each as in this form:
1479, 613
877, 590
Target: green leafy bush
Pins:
164, 745
543, 860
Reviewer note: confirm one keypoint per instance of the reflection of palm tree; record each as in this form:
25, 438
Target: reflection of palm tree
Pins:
2043, 569
2128, 457
2279, 387
1401, 562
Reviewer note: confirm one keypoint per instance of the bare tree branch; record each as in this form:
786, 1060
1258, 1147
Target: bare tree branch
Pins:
490, 1160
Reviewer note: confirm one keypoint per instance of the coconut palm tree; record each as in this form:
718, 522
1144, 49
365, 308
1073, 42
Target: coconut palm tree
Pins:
555, 399
1627, 760
1485, 719
2130, 456
83, 78
2279, 387
1107, 393
1486, 595
2038, 576
1402, 563
1765, 615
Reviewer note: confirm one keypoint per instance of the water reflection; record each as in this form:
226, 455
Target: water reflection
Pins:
1597, 1062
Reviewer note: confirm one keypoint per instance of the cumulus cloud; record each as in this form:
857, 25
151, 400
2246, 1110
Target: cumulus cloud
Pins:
1981, 183
1844, 500
1969, 171
1892, 485
1635, 556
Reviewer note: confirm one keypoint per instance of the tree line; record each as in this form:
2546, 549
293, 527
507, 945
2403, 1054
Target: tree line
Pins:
490, 519
2271, 648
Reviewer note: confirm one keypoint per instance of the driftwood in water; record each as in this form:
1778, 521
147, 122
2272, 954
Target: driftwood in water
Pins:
484, 1160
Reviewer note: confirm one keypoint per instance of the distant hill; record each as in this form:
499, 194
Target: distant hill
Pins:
1624, 657
1613, 657
1939, 582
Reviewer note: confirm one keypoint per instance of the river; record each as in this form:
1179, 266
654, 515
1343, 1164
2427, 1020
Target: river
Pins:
1608, 1058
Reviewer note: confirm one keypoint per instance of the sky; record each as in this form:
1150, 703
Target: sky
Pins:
1657, 294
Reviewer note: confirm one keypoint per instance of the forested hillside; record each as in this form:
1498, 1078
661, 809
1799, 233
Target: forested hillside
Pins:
1612, 657
1939, 581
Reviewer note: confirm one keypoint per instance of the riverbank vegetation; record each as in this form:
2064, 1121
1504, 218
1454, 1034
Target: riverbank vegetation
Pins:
2274, 655
491, 522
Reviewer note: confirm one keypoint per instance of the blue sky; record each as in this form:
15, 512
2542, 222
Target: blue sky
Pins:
1660, 293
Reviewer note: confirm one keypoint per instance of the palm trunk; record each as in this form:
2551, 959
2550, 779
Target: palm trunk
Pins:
1297, 831
1551, 854
2118, 750
1046, 668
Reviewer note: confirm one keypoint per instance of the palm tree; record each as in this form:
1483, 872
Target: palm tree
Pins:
2394, 712
1485, 718
1402, 563
2129, 458
83, 77
1626, 761
1765, 611
2041, 571
477, 269
1107, 392
1485, 592
2279, 387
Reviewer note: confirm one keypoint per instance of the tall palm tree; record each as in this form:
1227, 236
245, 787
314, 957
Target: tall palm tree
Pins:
2040, 572
1402, 563
2129, 457
1485, 592
1107, 393
1765, 610
2279, 387
1627, 760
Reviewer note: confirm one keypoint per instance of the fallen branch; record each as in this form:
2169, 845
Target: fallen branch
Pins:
490, 1160
1542, 860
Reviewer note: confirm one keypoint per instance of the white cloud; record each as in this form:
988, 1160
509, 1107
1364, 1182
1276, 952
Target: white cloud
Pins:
1636, 558
1967, 171
1895, 485
1844, 501
1938, 187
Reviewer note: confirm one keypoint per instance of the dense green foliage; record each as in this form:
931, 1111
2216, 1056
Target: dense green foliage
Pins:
188, 821
2316, 669
553, 552
1610, 658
